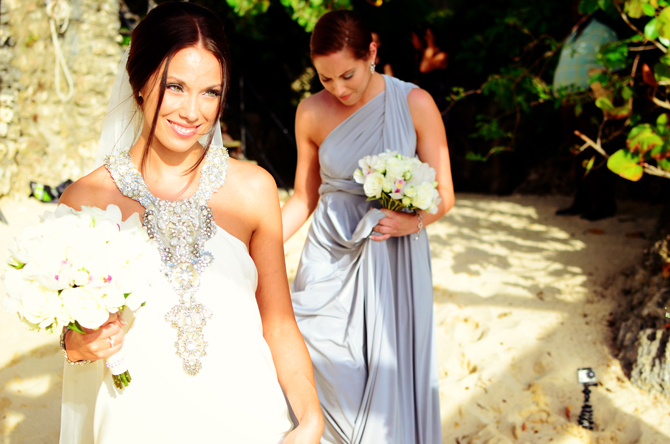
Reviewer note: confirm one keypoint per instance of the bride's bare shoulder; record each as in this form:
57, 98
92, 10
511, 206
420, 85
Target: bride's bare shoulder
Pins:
248, 187
96, 189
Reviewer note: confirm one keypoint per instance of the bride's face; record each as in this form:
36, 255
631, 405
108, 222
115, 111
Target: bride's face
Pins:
190, 101
344, 76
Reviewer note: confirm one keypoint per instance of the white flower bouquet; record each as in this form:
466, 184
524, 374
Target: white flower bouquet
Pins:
400, 183
77, 267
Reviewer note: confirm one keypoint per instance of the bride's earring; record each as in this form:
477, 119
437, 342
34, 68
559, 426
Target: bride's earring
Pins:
140, 99
372, 68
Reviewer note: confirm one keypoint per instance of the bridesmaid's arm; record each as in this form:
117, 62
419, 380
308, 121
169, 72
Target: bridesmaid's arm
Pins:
289, 353
431, 146
307, 178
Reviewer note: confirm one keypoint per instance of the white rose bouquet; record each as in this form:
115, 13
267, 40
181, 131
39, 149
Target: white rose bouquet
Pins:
77, 267
400, 183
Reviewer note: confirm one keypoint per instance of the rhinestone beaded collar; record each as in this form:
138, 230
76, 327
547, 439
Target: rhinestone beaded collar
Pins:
181, 229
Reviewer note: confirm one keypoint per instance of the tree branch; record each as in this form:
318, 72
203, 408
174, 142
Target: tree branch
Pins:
631, 26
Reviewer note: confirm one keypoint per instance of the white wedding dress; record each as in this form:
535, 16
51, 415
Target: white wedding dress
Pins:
234, 397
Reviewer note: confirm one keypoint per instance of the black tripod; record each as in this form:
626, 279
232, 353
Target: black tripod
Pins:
586, 415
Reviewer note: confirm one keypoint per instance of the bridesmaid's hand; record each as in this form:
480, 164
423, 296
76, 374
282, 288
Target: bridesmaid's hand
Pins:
395, 224
96, 344
306, 433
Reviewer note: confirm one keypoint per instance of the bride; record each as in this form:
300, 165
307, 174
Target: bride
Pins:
218, 224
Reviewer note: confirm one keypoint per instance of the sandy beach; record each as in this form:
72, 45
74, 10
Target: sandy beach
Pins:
522, 300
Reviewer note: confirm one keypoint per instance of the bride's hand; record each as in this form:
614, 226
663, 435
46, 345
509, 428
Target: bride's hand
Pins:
395, 224
305, 434
96, 344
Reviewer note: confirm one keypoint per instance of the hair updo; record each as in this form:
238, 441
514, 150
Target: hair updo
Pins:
339, 30
167, 29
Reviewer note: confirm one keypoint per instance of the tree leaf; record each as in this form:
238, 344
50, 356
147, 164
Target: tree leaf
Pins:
588, 7
604, 104
663, 24
649, 10
626, 92
662, 73
660, 152
626, 164
664, 164
643, 138
589, 165
634, 8
650, 30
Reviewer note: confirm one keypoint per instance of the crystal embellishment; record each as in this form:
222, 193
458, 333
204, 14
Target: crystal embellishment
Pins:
180, 229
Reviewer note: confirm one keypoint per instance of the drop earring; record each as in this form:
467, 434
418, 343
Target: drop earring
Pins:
372, 68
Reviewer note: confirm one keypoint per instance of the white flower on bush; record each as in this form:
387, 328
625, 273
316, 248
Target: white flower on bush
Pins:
373, 185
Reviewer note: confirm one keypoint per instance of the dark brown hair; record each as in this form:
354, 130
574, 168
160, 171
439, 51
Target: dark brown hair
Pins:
167, 29
339, 30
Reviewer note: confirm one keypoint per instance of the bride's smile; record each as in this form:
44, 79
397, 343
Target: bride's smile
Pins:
190, 101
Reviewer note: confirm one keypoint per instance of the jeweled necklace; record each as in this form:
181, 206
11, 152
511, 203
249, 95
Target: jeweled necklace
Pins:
180, 229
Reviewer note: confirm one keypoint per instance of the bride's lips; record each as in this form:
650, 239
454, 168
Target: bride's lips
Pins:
183, 130
343, 98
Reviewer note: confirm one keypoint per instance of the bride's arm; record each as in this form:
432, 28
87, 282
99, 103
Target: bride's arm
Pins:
307, 179
431, 146
290, 355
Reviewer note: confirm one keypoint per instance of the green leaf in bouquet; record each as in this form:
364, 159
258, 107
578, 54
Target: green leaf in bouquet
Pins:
642, 138
16, 265
626, 164
74, 326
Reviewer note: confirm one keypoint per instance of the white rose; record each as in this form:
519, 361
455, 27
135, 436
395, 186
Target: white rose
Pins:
406, 201
373, 185
39, 305
410, 191
86, 306
394, 167
424, 196
81, 278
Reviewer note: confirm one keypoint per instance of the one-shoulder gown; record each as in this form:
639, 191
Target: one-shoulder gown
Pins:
235, 398
365, 308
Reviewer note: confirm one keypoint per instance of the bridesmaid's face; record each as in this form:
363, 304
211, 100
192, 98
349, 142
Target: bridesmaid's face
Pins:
344, 76
190, 101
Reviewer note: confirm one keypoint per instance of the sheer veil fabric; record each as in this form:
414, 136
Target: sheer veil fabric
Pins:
123, 121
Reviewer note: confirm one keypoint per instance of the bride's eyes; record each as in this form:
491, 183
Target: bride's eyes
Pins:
174, 87
213, 93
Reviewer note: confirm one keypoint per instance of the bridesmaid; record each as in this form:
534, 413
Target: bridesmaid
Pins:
365, 308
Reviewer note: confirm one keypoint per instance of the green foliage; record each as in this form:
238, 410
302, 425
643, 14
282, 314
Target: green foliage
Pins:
305, 12
519, 87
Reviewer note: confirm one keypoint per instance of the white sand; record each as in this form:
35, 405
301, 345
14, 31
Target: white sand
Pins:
521, 301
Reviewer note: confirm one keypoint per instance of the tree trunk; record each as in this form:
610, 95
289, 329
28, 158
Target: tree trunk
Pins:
641, 328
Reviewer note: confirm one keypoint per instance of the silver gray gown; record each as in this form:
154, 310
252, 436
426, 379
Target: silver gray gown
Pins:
365, 308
